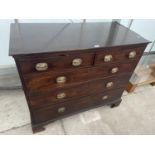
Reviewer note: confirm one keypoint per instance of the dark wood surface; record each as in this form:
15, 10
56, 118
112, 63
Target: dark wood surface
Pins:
51, 112
86, 85
63, 60
56, 62
45, 81
42, 98
38, 127
119, 54
28, 38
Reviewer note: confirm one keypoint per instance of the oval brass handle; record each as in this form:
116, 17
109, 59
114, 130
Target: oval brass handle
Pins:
61, 95
41, 66
108, 58
77, 62
61, 79
132, 54
114, 70
109, 85
105, 97
61, 110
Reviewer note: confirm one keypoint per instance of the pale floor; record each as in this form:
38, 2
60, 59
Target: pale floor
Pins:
135, 115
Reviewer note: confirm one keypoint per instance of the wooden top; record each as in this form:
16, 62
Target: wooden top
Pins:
28, 38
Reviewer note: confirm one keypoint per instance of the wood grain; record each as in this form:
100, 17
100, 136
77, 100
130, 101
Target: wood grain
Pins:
45, 81
58, 45
51, 112
35, 38
43, 98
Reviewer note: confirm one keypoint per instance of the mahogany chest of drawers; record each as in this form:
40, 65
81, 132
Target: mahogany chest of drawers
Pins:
70, 67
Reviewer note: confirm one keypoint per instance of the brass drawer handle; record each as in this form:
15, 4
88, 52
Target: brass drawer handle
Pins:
109, 85
132, 54
76, 62
105, 97
114, 70
41, 66
61, 110
61, 79
61, 95
108, 58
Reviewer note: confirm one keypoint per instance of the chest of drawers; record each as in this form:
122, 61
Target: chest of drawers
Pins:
68, 68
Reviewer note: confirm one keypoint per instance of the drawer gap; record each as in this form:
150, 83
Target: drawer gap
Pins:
93, 62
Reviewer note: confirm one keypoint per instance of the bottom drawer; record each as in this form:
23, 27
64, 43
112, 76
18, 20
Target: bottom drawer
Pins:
59, 110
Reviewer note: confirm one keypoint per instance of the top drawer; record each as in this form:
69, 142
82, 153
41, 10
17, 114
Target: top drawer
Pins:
118, 54
56, 61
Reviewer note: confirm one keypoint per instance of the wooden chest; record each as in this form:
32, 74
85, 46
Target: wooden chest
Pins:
71, 67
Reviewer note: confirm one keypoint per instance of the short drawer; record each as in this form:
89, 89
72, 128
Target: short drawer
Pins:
52, 80
65, 108
118, 54
42, 98
52, 62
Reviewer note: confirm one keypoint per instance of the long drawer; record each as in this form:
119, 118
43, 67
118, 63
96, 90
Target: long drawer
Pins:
42, 98
58, 110
52, 80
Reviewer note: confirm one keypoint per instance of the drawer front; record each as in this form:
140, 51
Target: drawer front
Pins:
42, 98
55, 62
118, 54
64, 108
52, 80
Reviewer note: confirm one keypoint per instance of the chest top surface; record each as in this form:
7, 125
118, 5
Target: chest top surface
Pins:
30, 38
